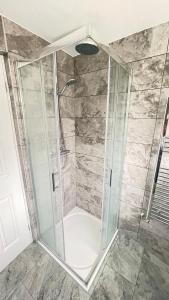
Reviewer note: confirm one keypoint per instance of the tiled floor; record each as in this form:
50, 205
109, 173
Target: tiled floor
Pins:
137, 268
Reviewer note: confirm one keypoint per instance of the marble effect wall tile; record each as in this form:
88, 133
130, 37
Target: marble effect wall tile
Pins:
138, 154
2, 37
141, 130
67, 107
89, 199
163, 103
31, 77
148, 73
89, 63
144, 104
146, 43
68, 126
21, 41
90, 127
130, 176
92, 146
89, 172
90, 84
50, 105
132, 195
65, 63
166, 73
91, 107
68, 181
92, 164
129, 218
20, 293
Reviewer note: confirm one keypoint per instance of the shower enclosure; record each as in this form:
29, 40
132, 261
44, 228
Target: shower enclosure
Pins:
76, 143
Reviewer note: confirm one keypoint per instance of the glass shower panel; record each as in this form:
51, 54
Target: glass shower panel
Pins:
37, 82
115, 147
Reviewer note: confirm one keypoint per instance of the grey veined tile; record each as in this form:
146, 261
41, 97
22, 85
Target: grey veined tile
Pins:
132, 195
135, 176
20, 293
138, 154
126, 257
2, 37
112, 286
146, 43
94, 83
147, 73
34, 280
152, 235
89, 172
91, 106
153, 280
67, 107
129, 218
94, 146
141, 130
90, 127
65, 62
90, 63
58, 285
21, 41
166, 72
19, 268
144, 104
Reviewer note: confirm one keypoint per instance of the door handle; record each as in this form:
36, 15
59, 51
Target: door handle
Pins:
110, 176
54, 187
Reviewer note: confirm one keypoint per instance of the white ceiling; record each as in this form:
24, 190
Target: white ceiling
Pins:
110, 19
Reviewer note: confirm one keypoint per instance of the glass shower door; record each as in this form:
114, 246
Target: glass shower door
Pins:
115, 147
37, 85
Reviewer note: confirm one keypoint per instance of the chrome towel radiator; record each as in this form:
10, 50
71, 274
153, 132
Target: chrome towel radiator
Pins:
158, 207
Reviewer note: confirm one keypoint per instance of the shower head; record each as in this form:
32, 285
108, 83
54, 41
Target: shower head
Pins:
68, 83
87, 47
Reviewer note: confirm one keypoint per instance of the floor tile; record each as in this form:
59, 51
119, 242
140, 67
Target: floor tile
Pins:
153, 280
34, 280
155, 245
112, 286
33, 254
12, 275
126, 257
20, 294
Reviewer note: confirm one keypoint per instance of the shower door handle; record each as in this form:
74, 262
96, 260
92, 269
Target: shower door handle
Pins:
110, 176
54, 187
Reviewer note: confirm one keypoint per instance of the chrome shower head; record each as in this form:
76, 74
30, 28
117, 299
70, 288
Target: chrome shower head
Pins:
87, 47
68, 83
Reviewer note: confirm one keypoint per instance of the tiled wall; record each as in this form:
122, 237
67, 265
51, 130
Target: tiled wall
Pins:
83, 112
146, 53
90, 112
20, 44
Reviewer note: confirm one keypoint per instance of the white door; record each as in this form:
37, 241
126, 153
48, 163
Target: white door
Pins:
15, 234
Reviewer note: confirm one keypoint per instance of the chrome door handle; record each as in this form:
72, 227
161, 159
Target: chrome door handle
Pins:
54, 187
110, 176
